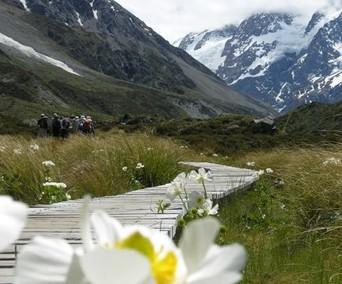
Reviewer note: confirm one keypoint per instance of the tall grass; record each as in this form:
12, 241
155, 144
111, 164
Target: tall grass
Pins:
95, 166
293, 232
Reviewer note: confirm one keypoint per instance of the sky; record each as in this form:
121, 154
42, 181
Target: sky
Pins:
174, 19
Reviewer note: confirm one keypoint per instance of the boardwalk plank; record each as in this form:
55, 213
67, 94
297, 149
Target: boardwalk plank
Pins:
61, 220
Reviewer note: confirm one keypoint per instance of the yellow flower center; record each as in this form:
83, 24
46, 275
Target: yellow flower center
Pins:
163, 266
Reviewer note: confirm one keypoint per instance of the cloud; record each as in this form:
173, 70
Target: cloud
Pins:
175, 18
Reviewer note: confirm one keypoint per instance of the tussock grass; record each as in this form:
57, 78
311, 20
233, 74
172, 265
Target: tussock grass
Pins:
293, 232
88, 165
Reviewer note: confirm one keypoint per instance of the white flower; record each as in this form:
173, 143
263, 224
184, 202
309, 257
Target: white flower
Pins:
269, 171
12, 220
2, 148
140, 166
215, 155
204, 206
196, 200
34, 147
260, 173
332, 161
17, 151
177, 186
201, 154
125, 169
48, 164
149, 149
59, 185
201, 176
282, 206
68, 196
250, 164
209, 207
205, 262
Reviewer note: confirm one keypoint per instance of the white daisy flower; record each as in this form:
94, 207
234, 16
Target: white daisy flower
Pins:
34, 147
177, 186
250, 164
125, 169
140, 166
269, 171
59, 185
201, 176
17, 151
332, 161
48, 164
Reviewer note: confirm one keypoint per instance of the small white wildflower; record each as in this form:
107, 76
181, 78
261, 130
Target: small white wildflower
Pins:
332, 161
202, 154
210, 208
201, 176
68, 196
261, 173
250, 164
34, 147
125, 169
17, 151
140, 166
48, 179
282, 206
149, 149
59, 185
48, 164
215, 155
269, 171
263, 216
2, 148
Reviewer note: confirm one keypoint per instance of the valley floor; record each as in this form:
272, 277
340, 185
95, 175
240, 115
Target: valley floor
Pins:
290, 221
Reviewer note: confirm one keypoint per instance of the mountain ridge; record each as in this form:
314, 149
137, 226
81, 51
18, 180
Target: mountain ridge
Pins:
120, 51
270, 57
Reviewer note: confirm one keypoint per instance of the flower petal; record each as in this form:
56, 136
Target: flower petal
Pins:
44, 261
197, 238
103, 266
225, 278
88, 243
221, 260
12, 220
106, 229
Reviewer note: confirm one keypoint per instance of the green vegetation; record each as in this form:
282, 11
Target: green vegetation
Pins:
96, 166
231, 135
290, 221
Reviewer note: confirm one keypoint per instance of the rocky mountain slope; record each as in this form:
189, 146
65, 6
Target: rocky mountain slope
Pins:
276, 57
95, 56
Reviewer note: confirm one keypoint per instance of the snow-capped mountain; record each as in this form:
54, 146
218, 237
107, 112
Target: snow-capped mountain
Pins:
276, 57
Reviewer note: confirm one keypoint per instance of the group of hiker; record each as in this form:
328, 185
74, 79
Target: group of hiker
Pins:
63, 126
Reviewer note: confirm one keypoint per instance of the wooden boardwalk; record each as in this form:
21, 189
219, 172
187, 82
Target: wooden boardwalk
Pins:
61, 220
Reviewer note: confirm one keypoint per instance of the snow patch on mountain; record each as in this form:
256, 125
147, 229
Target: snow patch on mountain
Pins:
23, 2
30, 52
79, 19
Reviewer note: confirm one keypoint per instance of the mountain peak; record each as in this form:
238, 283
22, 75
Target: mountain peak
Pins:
276, 57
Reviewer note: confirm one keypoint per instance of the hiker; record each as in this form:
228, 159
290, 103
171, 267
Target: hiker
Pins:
43, 126
76, 124
65, 127
56, 126
81, 122
88, 127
